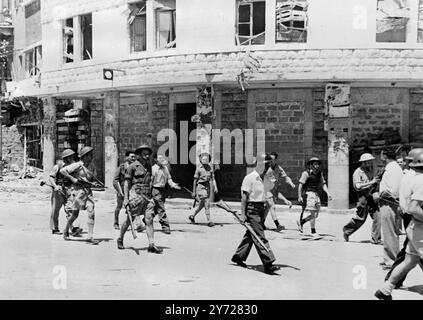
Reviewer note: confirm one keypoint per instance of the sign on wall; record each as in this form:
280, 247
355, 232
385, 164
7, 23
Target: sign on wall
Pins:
337, 100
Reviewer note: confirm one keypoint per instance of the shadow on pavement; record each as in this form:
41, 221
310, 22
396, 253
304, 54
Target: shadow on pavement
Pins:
137, 250
260, 268
417, 289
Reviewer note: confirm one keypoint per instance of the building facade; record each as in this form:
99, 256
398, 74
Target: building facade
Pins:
114, 73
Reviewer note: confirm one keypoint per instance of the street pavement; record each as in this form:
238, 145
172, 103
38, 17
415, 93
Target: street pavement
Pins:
195, 264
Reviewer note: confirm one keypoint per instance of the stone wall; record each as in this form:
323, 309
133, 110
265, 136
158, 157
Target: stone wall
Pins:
416, 116
12, 147
320, 135
96, 136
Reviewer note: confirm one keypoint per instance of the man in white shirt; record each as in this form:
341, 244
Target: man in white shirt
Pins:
161, 177
389, 204
414, 250
253, 206
405, 193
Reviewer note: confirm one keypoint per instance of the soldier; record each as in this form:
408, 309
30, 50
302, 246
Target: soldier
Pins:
118, 182
203, 183
414, 249
253, 206
160, 179
364, 184
60, 191
310, 184
81, 196
275, 173
137, 195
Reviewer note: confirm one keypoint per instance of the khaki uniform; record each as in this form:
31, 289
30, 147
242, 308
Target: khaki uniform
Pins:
58, 198
203, 174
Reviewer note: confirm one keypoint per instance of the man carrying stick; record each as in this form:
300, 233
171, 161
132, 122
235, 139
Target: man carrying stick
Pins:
253, 206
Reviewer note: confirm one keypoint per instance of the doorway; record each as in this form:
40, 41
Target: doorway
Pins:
183, 174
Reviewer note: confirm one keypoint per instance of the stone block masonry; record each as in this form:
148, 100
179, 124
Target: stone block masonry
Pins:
96, 136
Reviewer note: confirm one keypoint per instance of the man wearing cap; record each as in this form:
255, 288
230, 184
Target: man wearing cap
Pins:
253, 206
160, 179
310, 184
405, 193
81, 196
414, 249
364, 184
118, 184
60, 191
137, 196
389, 206
203, 184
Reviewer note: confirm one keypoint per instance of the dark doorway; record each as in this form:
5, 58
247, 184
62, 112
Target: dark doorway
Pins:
184, 173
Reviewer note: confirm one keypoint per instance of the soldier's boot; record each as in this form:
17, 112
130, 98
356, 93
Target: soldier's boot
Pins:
153, 249
120, 244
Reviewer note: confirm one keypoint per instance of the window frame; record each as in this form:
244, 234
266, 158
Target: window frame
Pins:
172, 43
252, 37
83, 37
141, 14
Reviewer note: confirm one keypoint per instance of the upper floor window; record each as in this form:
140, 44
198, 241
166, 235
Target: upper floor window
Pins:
33, 60
251, 22
291, 20
165, 24
87, 36
137, 24
391, 20
68, 36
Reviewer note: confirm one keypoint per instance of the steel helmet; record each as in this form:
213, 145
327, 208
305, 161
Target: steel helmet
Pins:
366, 157
84, 151
313, 159
143, 147
417, 161
413, 153
67, 153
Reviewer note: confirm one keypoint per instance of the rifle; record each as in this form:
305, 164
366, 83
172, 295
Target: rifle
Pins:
223, 205
128, 212
190, 192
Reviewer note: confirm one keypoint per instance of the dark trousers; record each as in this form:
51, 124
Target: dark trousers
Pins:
364, 207
159, 196
255, 217
406, 218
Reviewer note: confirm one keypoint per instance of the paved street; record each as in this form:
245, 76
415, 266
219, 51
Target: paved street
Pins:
195, 263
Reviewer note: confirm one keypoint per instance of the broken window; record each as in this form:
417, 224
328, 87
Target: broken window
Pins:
251, 22
33, 59
137, 24
165, 24
420, 23
87, 36
391, 20
291, 20
68, 36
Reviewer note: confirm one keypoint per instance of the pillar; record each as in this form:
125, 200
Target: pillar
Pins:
49, 134
111, 131
338, 163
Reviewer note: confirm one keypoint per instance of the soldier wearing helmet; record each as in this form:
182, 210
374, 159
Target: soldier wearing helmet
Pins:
364, 183
137, 195
414, 231
60, 192
310, 184
81, 196
405, 193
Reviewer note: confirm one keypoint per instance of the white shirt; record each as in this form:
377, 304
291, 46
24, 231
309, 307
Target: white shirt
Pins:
417, 195
254, 186
405, 189
391, 179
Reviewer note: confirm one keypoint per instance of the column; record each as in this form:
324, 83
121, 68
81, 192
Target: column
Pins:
111, 132
49, 134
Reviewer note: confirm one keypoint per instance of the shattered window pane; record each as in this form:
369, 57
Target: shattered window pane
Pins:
251, 26
420, 23
291, 20
165, 24
391, 20
68, 41
87, 36
137, 23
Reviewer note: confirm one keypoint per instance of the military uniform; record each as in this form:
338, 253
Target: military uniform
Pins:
58, 198
118, 182
203, 174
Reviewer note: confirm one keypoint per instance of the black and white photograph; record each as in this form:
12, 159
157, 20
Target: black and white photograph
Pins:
197, 150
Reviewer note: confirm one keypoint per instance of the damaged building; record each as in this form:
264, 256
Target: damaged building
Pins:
323, 77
